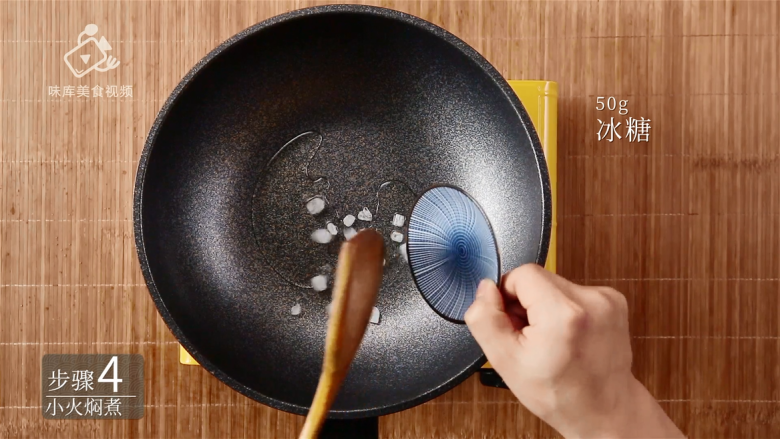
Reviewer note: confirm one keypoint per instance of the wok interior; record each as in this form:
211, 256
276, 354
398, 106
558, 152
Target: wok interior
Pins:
392, 102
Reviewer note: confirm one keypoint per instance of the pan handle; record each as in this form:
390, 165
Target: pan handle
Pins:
364, 428
491, 378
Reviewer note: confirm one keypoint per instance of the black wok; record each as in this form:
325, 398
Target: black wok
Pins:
366, 108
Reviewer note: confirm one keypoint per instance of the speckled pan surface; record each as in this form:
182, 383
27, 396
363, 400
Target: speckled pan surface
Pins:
361, 106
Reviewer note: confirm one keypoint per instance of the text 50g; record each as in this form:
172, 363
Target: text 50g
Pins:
637, 130
612, 104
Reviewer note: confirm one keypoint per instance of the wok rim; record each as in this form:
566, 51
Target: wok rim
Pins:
159, 122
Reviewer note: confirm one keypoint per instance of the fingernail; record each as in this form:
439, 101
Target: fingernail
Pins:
483, 285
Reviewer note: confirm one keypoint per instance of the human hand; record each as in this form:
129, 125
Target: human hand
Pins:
564, 350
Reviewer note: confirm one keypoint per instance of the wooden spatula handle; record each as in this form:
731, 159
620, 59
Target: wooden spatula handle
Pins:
358, 277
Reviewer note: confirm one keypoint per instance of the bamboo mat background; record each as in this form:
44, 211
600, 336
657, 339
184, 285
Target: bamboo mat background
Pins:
686, 225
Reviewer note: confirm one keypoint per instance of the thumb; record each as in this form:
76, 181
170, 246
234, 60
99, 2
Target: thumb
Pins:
490, 324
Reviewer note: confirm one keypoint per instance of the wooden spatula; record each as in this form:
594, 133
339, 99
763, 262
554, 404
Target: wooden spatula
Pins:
358, 277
